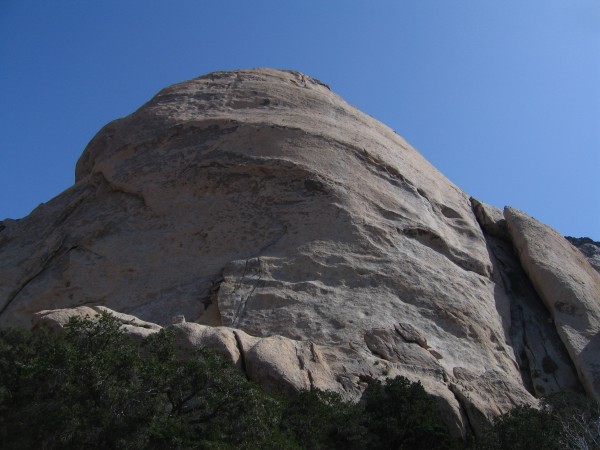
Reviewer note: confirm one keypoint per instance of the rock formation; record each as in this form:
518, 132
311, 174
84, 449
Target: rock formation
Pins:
590, 248
569, 287
308, 242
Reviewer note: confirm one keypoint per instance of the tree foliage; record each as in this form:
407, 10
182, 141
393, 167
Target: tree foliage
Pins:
566, 420
92, 387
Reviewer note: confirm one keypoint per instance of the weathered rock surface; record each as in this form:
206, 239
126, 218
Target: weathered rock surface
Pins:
277, 363
541, 356
569, 287
261, 202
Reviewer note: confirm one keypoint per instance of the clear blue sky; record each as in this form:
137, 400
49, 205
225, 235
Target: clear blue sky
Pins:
502, 96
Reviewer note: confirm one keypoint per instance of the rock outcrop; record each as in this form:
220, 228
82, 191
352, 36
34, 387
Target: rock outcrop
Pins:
284, 222
590, 248
569, 287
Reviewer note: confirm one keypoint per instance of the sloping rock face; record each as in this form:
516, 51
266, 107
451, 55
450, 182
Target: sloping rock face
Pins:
260, 201
542, 358
569, 287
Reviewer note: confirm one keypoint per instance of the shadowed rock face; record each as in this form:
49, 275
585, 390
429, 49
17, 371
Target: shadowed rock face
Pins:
260, 201
569, 287
590, 248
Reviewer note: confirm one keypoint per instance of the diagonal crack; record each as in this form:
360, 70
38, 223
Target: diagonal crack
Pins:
242, 306
45, 264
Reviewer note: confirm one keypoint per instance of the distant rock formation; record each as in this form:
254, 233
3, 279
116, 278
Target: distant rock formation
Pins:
590, 248
289, 227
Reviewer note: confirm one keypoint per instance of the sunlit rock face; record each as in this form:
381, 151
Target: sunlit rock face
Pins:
260, 201
569, 287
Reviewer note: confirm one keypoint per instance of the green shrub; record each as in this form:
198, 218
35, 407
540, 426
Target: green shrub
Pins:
566, 421
523, 428
92, 387
400, 414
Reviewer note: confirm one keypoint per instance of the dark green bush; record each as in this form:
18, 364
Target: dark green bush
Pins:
92, 387
523, 428
400, 414
566, 421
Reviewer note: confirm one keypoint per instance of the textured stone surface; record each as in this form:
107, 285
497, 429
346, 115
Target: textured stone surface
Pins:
189, 337
490, 218
57, 319
277, 363
569, 287
259, 201
590, 248
541, 356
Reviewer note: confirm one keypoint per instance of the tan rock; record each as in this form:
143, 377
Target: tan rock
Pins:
541, 356
127, 319
56, 319
569, 287
490, 218
480, 399
188, 337
261, 201
281, 364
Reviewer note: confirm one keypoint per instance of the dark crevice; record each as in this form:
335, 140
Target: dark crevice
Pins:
311, 381
527, 312
240, 347
300, 360
463, 408
213, 293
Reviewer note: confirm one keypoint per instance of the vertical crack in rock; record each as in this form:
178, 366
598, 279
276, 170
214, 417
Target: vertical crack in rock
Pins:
240, 347
241, 309
542, 358
311, 380
313, 353
463, 408
211, 313
303, 367
568, 285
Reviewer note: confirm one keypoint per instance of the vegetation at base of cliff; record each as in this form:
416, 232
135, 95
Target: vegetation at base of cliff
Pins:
92, 387
565, 421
